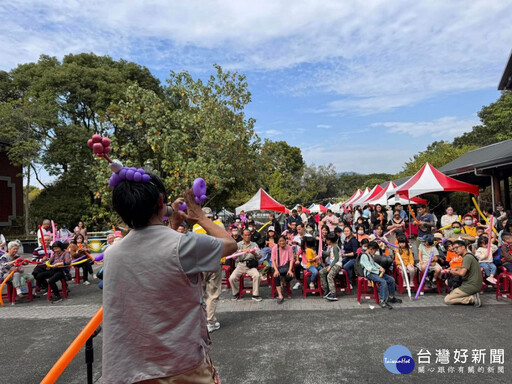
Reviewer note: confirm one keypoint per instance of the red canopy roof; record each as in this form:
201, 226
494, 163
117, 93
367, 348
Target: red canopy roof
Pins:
374, 192
261, 201
357, 194
428, 179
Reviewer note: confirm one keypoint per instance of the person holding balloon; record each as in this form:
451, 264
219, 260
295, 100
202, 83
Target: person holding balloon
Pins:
154, 321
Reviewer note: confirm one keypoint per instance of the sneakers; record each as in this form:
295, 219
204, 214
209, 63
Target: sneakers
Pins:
492, 280
86, 283
257, 298
327, 293
213, 327
234, 298
280, 300
296, 286
395, 300
477, 301
331, 297
385, 304
56, 299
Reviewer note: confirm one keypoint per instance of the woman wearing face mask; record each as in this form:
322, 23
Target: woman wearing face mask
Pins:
397, 225
360, 235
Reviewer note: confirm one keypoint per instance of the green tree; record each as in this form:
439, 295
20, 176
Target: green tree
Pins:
437, 154
496, 124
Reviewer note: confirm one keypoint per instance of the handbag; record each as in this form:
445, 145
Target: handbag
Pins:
283, 269
252, 263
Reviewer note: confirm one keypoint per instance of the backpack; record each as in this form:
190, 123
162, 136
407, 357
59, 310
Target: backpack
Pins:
358, 268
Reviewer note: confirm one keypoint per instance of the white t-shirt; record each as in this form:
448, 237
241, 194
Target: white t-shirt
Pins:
154, 322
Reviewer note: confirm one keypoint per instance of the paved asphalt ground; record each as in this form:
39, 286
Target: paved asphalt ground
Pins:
302, 341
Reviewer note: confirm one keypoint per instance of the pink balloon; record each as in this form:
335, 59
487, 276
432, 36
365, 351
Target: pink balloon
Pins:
105, 141
107, 150
97, 148
96, 138
90, 143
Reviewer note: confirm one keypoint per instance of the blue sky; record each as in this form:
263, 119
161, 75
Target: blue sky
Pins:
360, 84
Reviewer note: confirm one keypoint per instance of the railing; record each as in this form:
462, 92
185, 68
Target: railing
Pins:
84, 337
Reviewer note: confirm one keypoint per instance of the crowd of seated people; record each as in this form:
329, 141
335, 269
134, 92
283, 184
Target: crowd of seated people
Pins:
322, 243
58, 248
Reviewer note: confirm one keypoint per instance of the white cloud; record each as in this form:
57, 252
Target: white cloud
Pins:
369, 56
323, 126
446, 127
357, 158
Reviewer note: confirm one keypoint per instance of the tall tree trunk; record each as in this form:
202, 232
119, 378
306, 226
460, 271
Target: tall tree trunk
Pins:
27, 202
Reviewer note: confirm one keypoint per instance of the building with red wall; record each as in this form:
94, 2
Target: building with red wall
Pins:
11, 189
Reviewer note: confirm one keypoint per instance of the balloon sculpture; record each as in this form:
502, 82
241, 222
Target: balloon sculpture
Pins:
100, 146
199, 190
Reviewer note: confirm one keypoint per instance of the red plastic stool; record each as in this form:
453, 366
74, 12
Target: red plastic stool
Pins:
505, 282
268, 276
337, 283
64, 290
305, 285
227, 273
288, 288
77, 275
439, 284
244, 288
12, 295
362, 287
400, 281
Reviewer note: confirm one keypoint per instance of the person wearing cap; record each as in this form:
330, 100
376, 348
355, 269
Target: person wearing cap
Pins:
251, 252
469, 291
58, 261
374, 272
424, 251
212, 281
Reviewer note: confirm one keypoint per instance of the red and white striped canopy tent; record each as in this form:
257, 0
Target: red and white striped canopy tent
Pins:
382, 197
375, 190
304, 209
355, 196
262, 201
317, 208
362, 198
428, 179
